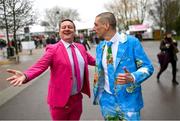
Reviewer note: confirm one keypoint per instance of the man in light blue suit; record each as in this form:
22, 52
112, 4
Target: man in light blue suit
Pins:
121, 66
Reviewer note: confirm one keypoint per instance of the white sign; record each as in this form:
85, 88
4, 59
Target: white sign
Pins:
28, 45
136, 28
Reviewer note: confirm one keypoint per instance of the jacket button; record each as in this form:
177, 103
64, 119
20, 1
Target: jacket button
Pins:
66, 107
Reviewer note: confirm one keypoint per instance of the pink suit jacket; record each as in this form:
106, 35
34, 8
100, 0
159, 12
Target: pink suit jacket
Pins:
60, 83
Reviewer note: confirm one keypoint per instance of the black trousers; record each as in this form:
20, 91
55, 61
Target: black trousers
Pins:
164, 66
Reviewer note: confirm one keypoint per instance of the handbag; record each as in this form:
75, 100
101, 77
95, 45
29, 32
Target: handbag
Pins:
163, 57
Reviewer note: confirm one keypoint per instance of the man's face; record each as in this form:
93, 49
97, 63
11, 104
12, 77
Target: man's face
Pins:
168, 35
67, 31
99, 28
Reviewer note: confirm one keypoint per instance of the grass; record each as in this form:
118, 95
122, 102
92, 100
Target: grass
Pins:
177, 38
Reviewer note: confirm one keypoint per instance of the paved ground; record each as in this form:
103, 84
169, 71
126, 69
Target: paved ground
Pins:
25, 61
162, 100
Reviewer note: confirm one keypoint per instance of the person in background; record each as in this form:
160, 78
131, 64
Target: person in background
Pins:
2, 44
69, 76
53, 39
48, 40
169, 47
122, 66
139, 36
83, 41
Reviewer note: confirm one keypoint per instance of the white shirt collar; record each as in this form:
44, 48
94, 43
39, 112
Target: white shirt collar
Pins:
66, 44
122, 37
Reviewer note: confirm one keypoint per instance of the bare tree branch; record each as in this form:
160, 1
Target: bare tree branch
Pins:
56, 14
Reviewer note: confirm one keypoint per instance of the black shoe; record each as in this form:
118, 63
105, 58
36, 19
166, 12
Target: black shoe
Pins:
175, 82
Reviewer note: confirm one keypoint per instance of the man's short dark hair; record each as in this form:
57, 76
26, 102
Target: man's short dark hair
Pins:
67, 20
108, 17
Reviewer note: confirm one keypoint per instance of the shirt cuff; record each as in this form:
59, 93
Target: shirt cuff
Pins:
133, 78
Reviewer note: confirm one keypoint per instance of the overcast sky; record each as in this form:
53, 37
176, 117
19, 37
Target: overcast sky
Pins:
87, 9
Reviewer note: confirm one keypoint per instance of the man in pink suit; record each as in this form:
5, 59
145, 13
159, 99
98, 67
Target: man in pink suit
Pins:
64, 96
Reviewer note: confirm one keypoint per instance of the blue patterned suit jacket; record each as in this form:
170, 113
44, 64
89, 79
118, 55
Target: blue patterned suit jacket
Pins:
132, 56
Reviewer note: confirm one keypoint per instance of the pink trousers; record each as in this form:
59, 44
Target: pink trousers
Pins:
71, 111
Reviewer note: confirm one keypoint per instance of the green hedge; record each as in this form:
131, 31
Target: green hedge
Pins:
177, 38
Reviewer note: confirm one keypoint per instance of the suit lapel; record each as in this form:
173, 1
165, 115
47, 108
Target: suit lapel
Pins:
121, 50
100, 54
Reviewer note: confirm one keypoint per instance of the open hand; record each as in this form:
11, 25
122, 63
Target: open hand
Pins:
17, 79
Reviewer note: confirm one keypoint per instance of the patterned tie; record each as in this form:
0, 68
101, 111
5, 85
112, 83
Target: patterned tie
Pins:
76, 68
110, 67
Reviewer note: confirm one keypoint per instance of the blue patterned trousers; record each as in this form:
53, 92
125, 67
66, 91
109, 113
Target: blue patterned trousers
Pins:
111, 110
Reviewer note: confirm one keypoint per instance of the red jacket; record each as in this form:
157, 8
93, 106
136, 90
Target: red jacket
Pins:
60, 83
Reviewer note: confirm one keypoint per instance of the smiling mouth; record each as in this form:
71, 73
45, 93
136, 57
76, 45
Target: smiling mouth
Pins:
68, 33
